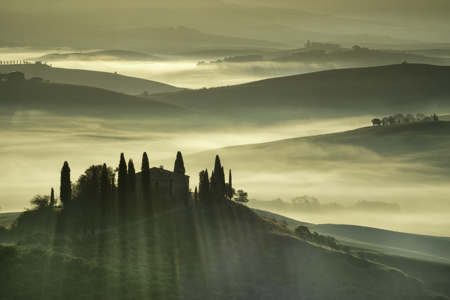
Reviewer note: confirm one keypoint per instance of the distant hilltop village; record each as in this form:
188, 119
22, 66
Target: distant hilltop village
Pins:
400, 118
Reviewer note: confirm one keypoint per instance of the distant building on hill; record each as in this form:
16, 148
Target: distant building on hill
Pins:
166, 179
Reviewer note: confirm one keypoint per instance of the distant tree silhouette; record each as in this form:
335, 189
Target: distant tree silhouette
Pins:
195, 195
179, 164
426, 119
40, 202
230, 191
66, 185
410, 117
131, 203
52, 198
391, 120
399, 118
105, 191
302, 231
145, 186
218, 187
406, 120
86, 199
204, 187
122, 188
242, 197
93, 205
420, 116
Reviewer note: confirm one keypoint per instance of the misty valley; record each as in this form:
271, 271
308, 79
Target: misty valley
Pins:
232, 149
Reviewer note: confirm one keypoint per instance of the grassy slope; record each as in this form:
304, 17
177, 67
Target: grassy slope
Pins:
73, 100
328, 94
424, 142
6, 219
409, 245
208, 252
109, 81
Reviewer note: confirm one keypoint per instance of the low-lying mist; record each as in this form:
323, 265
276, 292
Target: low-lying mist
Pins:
187, 73
35, 145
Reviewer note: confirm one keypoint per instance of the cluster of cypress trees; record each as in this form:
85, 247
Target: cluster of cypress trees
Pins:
95, 197
214, 189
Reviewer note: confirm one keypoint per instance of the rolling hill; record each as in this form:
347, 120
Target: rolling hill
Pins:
377, 91
6, 219
75, 100
106, 55
109, 81
221, 250
396, 163
404, 244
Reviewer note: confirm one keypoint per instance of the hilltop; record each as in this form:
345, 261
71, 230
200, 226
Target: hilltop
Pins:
109, 81
201, 252
106, 55
327, 94
76, 100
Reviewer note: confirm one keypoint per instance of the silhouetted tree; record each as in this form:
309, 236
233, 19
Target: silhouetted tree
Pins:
420, 116
122, 188
242, 197
410, 117
39, 202
218, 187
105, 191
66, 185
302, 231
391, 120
131, 203
179, 164
145, 186
204, 187
230, 190
399, 118
195, 195
93, 206
52, 198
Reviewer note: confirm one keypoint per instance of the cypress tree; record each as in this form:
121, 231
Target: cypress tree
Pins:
204, 187
66, 186
132, 207
93, 205
122, 188
145, 186
230, 186
195, 195
218, 180
52, 198
179, 164
105, 191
